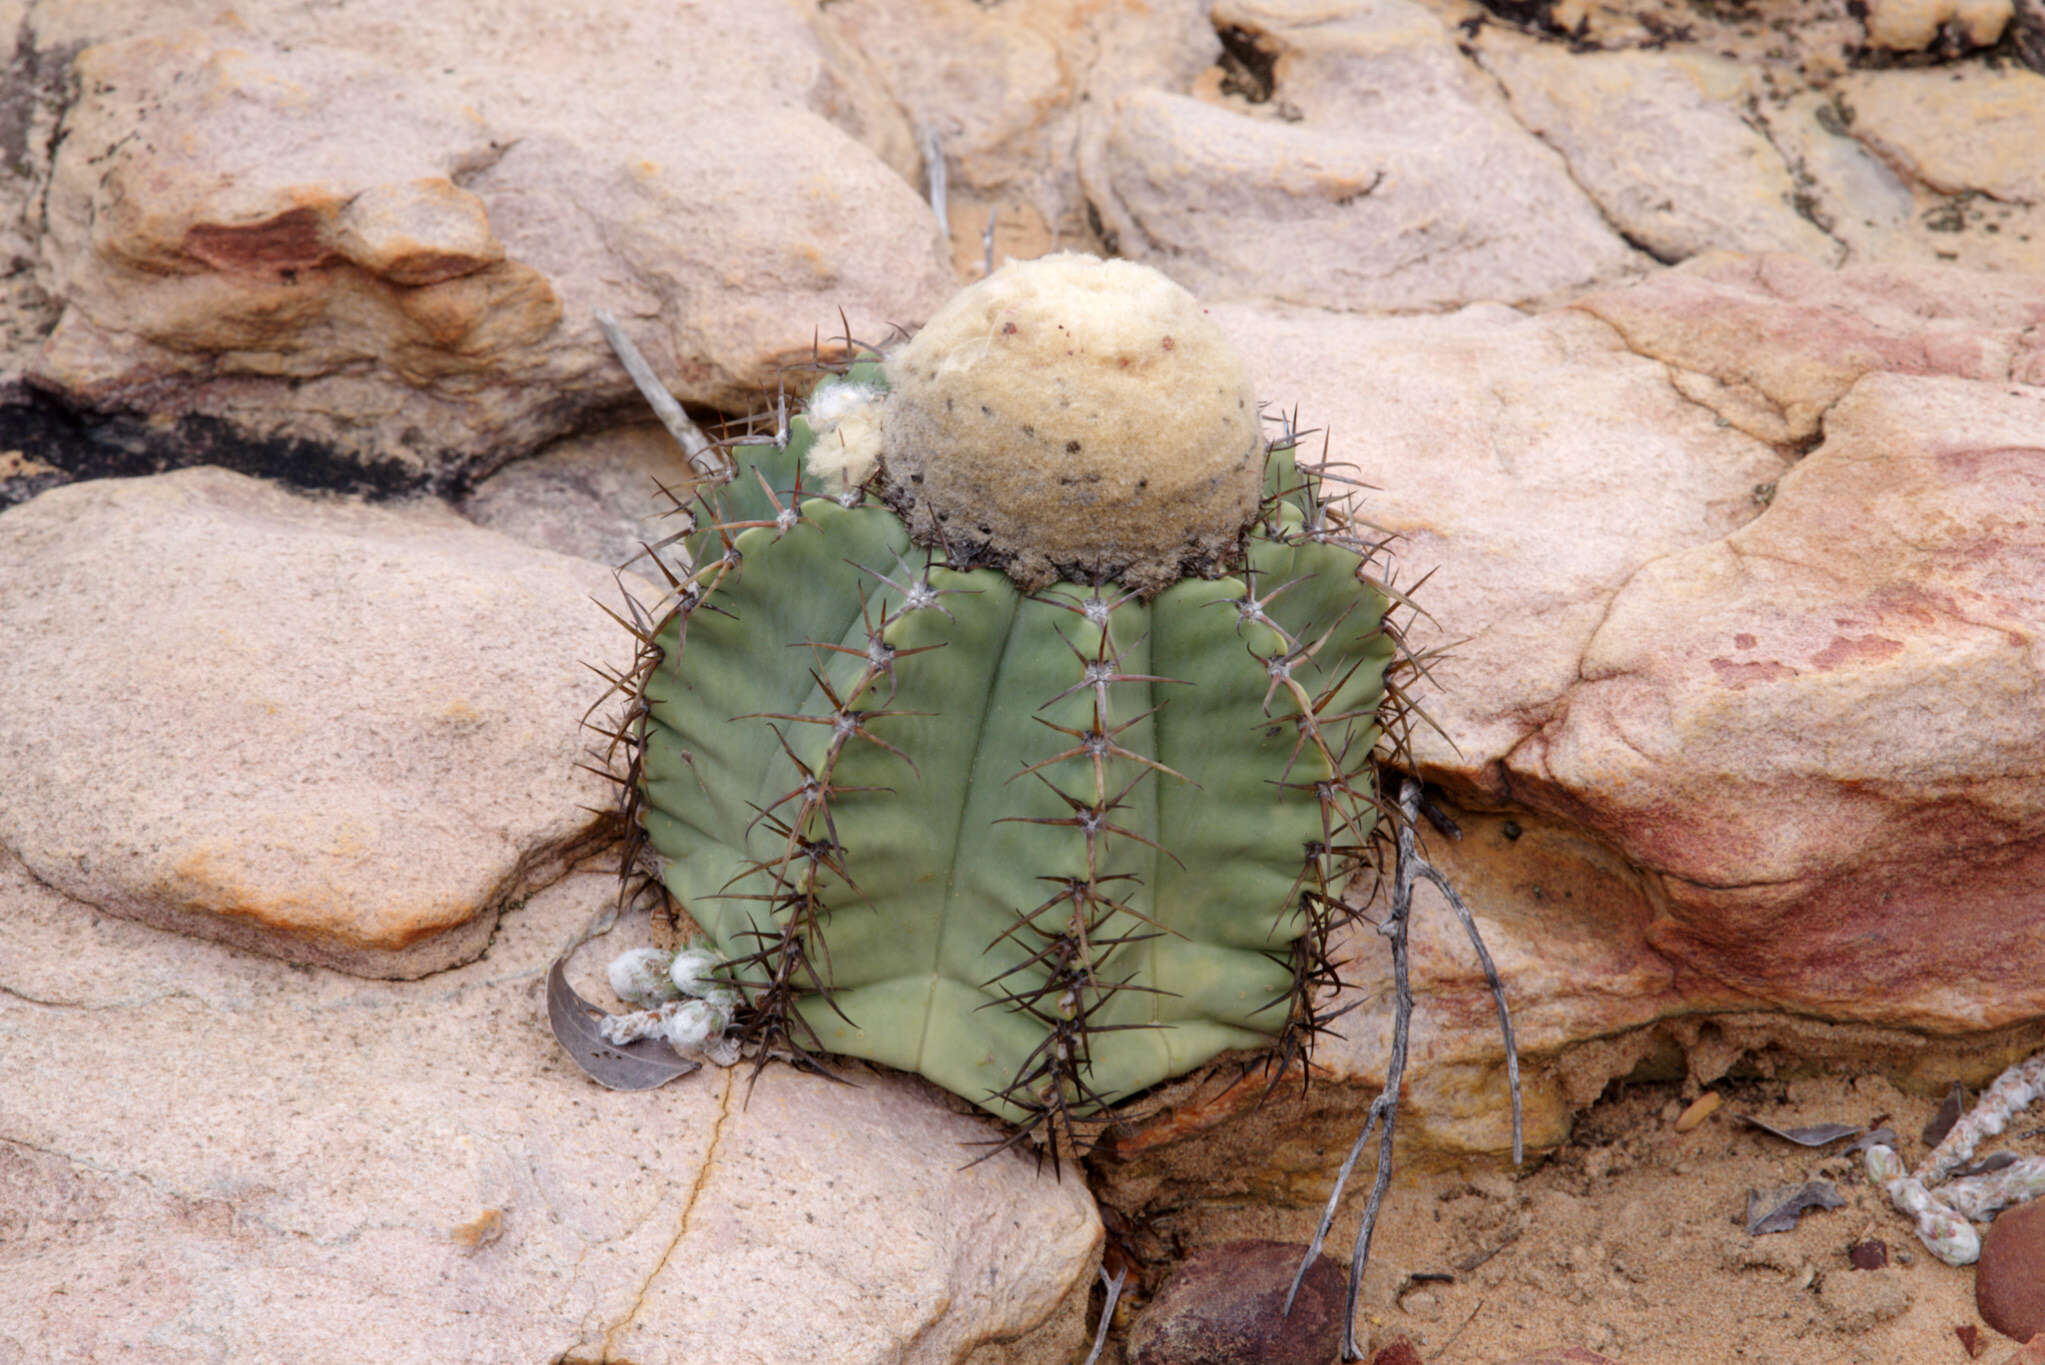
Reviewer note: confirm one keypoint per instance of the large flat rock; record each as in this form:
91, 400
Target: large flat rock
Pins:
341, 733
206, 1155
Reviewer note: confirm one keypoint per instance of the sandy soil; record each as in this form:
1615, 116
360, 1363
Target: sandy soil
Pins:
1630, 1241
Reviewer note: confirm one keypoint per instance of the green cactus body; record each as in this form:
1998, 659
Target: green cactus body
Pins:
1045, 848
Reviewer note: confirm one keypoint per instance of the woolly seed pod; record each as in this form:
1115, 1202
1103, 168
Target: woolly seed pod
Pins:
1048, 822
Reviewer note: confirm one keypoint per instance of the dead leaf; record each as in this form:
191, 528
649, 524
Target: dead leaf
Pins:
1779, 1210
1880, 1137
1949, 1111
644, 1065
1813, 1135
1982, 1167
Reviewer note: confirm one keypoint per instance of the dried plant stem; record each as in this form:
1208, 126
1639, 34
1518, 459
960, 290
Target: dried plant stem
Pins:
934, 173
1941, 1214
1114, 1296
1384, 1110
702, 455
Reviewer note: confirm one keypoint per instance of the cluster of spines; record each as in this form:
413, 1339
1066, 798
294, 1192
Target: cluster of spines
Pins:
783, 969
1070, 928
1357, 821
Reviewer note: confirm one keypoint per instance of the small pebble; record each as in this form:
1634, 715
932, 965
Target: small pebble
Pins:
1397, 1351
1872, 1254
2009, 1282
1224, 1306
1701, 1108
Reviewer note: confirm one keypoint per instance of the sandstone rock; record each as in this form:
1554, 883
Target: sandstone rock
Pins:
2009, 1282
1888, 167
593, 496
1002, 88
1533, 463
1848, 190
1979, 134
1659, 141
221, 1155
1913, 25
1225, 1306
1819, 733
339, 733
316, 245
1367, 201
1651, 829
1770, 342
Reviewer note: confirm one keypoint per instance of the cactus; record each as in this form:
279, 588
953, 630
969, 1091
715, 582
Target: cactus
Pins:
1012, 715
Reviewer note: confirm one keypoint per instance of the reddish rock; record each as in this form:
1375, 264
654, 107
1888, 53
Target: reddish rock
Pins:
1225, 1306
1399, 1351
2031, 1352
2009, 1282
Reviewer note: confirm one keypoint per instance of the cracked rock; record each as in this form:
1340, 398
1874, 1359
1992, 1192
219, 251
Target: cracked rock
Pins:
314, 245
1370, 199
1659, 141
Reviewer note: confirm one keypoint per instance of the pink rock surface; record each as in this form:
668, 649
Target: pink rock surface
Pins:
1820, 733
1732, 729
1770, 342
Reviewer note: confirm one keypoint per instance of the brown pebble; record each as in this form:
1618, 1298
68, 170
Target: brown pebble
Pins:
1225, 1306
1397, 1351
1970, 1339
2009, 1282
1872, 1254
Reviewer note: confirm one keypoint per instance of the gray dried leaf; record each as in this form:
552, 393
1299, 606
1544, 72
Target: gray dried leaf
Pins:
644, 1065
1813, 1135
1949, 1111
1984, 1166
1779, 1210
1880, 1137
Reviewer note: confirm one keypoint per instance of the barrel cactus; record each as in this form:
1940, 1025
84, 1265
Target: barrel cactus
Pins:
1012, 716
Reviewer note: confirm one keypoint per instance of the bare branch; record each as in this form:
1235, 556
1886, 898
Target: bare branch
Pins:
703, 456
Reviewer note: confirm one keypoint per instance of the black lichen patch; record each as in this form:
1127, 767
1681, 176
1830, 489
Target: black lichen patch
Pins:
59, 443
